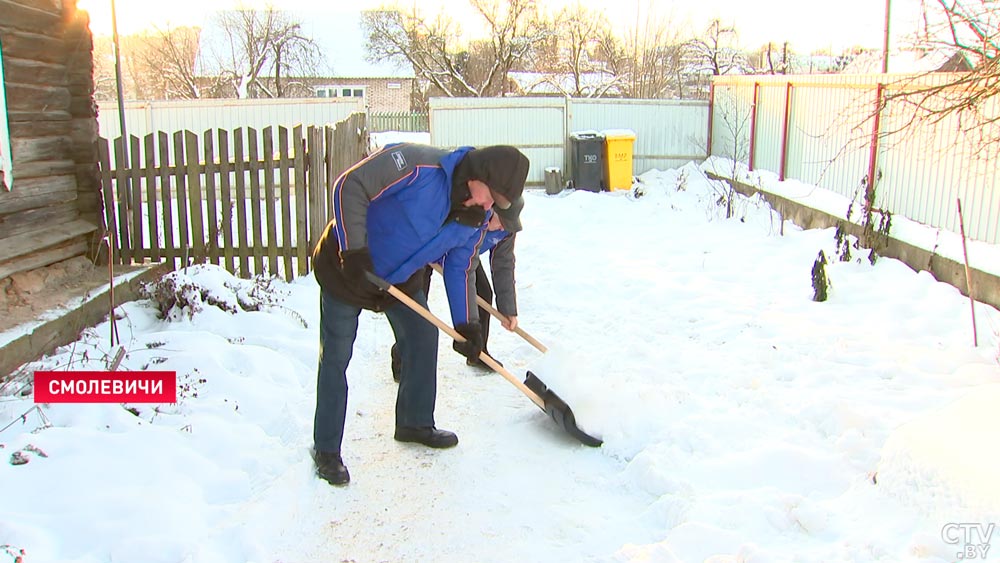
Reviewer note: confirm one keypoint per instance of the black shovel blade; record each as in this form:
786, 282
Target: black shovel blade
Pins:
559, 411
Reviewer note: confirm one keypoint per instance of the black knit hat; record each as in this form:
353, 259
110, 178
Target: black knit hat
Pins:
501, 167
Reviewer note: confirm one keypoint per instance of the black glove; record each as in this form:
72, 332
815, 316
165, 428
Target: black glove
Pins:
473, 344
356, 263
473, 216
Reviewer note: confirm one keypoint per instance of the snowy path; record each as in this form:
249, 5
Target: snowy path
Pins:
515, 489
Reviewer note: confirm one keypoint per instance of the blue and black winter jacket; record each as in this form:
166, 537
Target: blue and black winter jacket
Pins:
396, 203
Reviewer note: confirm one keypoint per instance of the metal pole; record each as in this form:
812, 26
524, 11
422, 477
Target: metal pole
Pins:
753, 124
784, 131
118, 78
885, 40
121, 115
968, 275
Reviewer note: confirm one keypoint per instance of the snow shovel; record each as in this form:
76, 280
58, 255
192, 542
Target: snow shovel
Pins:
484, 304
532, 387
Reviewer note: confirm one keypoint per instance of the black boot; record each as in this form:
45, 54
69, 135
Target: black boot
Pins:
330, 467
397, 363
478, 363
427, 435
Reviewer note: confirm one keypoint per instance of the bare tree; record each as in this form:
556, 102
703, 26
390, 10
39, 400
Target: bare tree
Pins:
656, 49
965, 102
769, 59
716, 50
262, 47
648, 62
168, 62
434, 48
158, 65
570, 57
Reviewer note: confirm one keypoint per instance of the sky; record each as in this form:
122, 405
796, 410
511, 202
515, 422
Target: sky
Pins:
742, 421
807, 24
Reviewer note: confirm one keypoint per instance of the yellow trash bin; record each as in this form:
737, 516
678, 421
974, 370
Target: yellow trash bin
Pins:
618, 158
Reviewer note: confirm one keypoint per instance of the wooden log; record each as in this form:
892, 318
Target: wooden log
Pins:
45, 169
32, 193
32, 72
45, 256
23, 97
28, 221
49, 235
32, 45
33, 149
21, 16
46, 124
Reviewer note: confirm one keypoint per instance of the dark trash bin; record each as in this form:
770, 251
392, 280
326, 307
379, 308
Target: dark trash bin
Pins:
587, 160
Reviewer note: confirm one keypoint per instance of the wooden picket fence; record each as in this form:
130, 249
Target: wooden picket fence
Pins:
253, 202
399, 121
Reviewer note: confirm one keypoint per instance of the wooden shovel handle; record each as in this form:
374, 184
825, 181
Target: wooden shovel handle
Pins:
500, 317
423, 312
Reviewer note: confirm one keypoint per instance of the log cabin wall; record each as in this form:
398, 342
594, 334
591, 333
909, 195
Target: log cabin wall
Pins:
53, 211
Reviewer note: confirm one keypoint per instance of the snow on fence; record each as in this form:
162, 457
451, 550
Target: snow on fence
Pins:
254, 202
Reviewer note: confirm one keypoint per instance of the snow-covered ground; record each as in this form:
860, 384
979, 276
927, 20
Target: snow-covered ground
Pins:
742, 421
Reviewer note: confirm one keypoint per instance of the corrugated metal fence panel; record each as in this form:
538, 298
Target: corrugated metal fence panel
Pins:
920, 173
770, 126
198, 115
669, 133
826, 146
537, 126
731, 122
931, 166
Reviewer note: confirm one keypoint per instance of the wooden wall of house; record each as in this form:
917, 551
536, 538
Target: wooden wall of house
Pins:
53, 211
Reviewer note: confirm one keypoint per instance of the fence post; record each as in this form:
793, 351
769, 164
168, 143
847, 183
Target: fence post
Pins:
784, 132
753, 123
711, 116
302, 247
873, 150
315, 183
195, 210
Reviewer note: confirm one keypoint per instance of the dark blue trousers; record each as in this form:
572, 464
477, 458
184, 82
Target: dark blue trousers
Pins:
418, 346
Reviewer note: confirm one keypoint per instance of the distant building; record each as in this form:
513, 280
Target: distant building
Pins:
592, 84
910, 61
381, 94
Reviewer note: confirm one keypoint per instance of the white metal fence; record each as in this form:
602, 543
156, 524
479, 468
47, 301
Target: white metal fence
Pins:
145, 117
669, 133
820, 130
